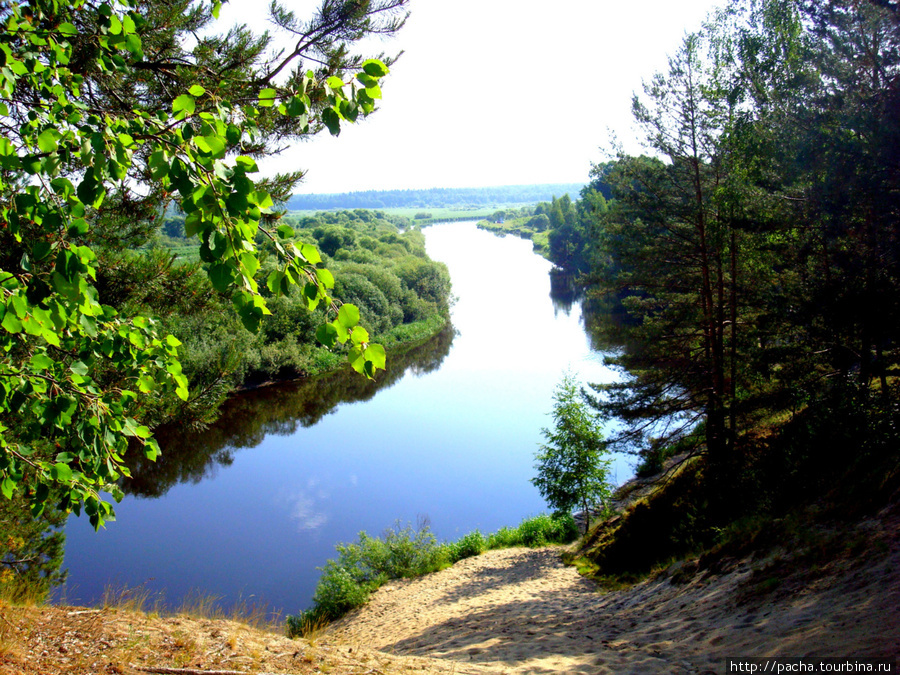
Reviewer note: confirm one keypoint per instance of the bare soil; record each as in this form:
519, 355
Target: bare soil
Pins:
518, 611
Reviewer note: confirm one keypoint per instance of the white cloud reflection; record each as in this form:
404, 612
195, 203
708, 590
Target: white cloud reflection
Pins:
306, 506
305, 513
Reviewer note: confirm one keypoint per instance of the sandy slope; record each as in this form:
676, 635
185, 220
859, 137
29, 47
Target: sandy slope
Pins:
523, 611
517, 611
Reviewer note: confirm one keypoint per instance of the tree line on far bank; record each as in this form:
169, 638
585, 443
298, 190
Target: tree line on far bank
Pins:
431, 198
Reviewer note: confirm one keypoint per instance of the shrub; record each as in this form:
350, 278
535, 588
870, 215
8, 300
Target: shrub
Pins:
343, 588
564, 529
505, 537
429, 280
363, 566
543, 529
411, 554
372, 303
469, 546
322, 360
305, 624
534, 532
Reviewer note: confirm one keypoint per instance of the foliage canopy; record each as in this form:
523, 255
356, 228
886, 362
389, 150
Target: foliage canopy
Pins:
753, 253
110, 111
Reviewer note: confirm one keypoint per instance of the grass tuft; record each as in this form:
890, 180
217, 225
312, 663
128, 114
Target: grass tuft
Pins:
135, 599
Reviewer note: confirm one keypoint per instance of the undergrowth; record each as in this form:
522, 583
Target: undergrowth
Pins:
404, 552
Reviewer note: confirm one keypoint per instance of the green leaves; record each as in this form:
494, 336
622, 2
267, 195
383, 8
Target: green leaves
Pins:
11, 323
40, 362
183, 106
376, 356
61, 472
375, 68
332, 119
311, 254
8, 487
213, 145
267, 98
348, 316
221, 277
73, 373
364, 357
48, 140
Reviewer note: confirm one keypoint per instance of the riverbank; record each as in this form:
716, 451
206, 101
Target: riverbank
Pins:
518, 228
397, 342
516, 611
523, 611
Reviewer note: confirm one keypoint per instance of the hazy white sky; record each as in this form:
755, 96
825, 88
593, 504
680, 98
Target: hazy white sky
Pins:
496, 92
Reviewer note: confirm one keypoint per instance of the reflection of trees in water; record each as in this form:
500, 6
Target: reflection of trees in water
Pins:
563, 291
31, 550
605, 322
603, 317
279, 410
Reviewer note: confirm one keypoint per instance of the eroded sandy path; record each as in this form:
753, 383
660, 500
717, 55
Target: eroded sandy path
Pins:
523, 611
516, 610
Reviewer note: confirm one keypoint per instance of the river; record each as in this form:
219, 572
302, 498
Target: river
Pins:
248, 510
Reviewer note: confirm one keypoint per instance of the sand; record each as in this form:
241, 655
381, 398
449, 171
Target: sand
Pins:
518, 611
524, 611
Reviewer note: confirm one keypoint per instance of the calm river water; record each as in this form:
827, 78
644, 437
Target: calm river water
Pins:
248, 510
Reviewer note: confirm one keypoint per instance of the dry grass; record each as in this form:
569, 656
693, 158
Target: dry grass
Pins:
196, 605
313, 629
15, 592
9, 645
54, 640
135, 599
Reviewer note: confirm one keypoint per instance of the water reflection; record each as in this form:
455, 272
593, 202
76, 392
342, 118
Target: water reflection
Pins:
564, 292
605, 323
604, 318
31, 551
280, 410
304, 506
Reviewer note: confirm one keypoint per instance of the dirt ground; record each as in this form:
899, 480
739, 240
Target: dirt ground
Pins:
78, 641
523, 611
514, 611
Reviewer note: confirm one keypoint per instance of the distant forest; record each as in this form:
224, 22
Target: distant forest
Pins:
434, 197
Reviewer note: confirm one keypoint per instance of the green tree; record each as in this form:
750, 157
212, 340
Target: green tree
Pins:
850, 241
756, 250
668, 248
110, 111
572, 470
564, 237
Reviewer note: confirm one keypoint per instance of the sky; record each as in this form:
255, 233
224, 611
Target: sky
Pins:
495, 92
